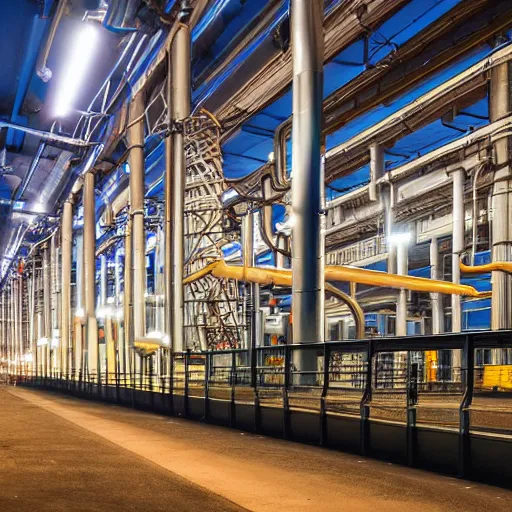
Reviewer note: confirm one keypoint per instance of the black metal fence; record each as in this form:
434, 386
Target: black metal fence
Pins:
408, 383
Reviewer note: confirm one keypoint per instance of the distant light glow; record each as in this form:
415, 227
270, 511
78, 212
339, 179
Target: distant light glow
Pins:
78, 62
399, 238
55, 342
29, 357
155, 335
80, 313
39, 208
42, 342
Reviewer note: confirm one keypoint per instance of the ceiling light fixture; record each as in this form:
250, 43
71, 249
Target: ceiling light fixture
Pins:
78, 62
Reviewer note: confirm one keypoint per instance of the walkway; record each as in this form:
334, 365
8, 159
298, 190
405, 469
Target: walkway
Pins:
59, 453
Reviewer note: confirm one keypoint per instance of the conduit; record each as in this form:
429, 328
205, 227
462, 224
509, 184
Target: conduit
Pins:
282, 277
503, 266
276, 277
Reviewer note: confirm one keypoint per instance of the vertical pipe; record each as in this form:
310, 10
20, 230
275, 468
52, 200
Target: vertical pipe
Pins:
401, 306
66, 247
307, 49
17, 353
500, 105
47, 311
180, 108
248, 261
457, 243
103, 280
168, 210
436, 299
376, 169
54, 343
136, 138
80, 306
90, 273
127, 296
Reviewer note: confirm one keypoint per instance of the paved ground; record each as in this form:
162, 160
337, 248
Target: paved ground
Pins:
59, 453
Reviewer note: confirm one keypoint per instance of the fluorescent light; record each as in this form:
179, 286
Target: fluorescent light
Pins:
77, 64
399, 238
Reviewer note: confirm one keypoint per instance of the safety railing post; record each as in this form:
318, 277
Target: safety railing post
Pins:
207, 366
365, 401
233, 378
323, 398
171, 382
187, 367
286, 385
411, 398
468, 361
255, 386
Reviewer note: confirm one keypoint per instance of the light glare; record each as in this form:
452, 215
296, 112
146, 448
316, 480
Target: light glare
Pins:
78, 62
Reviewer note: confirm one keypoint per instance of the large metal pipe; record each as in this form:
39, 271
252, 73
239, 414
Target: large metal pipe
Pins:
136, 140
401, 306
180, 109
501, 201
308, 52
127, 296
376, 169
435, 298
457, 243
168, 195
67, 256
47, 308
90, 273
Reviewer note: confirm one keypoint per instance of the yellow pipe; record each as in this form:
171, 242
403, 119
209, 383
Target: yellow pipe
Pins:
417, 284
283, 277
504, 266
276, 277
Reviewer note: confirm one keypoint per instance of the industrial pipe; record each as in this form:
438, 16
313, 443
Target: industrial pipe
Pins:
457, 243
436, 299
90, 273
276, 277
136, 140
43, 71
180, 111
308, 56
501, 266
499, 107
66, 257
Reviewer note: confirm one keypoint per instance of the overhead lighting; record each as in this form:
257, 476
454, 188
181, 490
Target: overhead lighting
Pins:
399, 238
77, 64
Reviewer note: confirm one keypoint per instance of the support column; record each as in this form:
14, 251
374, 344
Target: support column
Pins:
307, 303
436, 298
401, 306
90, 274
80, 307
376, 169
47, 310
127, 297
500, 106
136, 139
66, 251
457, 243
180, 111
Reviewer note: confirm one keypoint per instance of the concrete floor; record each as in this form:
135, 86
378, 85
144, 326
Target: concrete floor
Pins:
59, 453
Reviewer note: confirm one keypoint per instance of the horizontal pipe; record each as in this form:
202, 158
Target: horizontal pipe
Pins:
504, 266
281, 277
48, 137
277, 277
